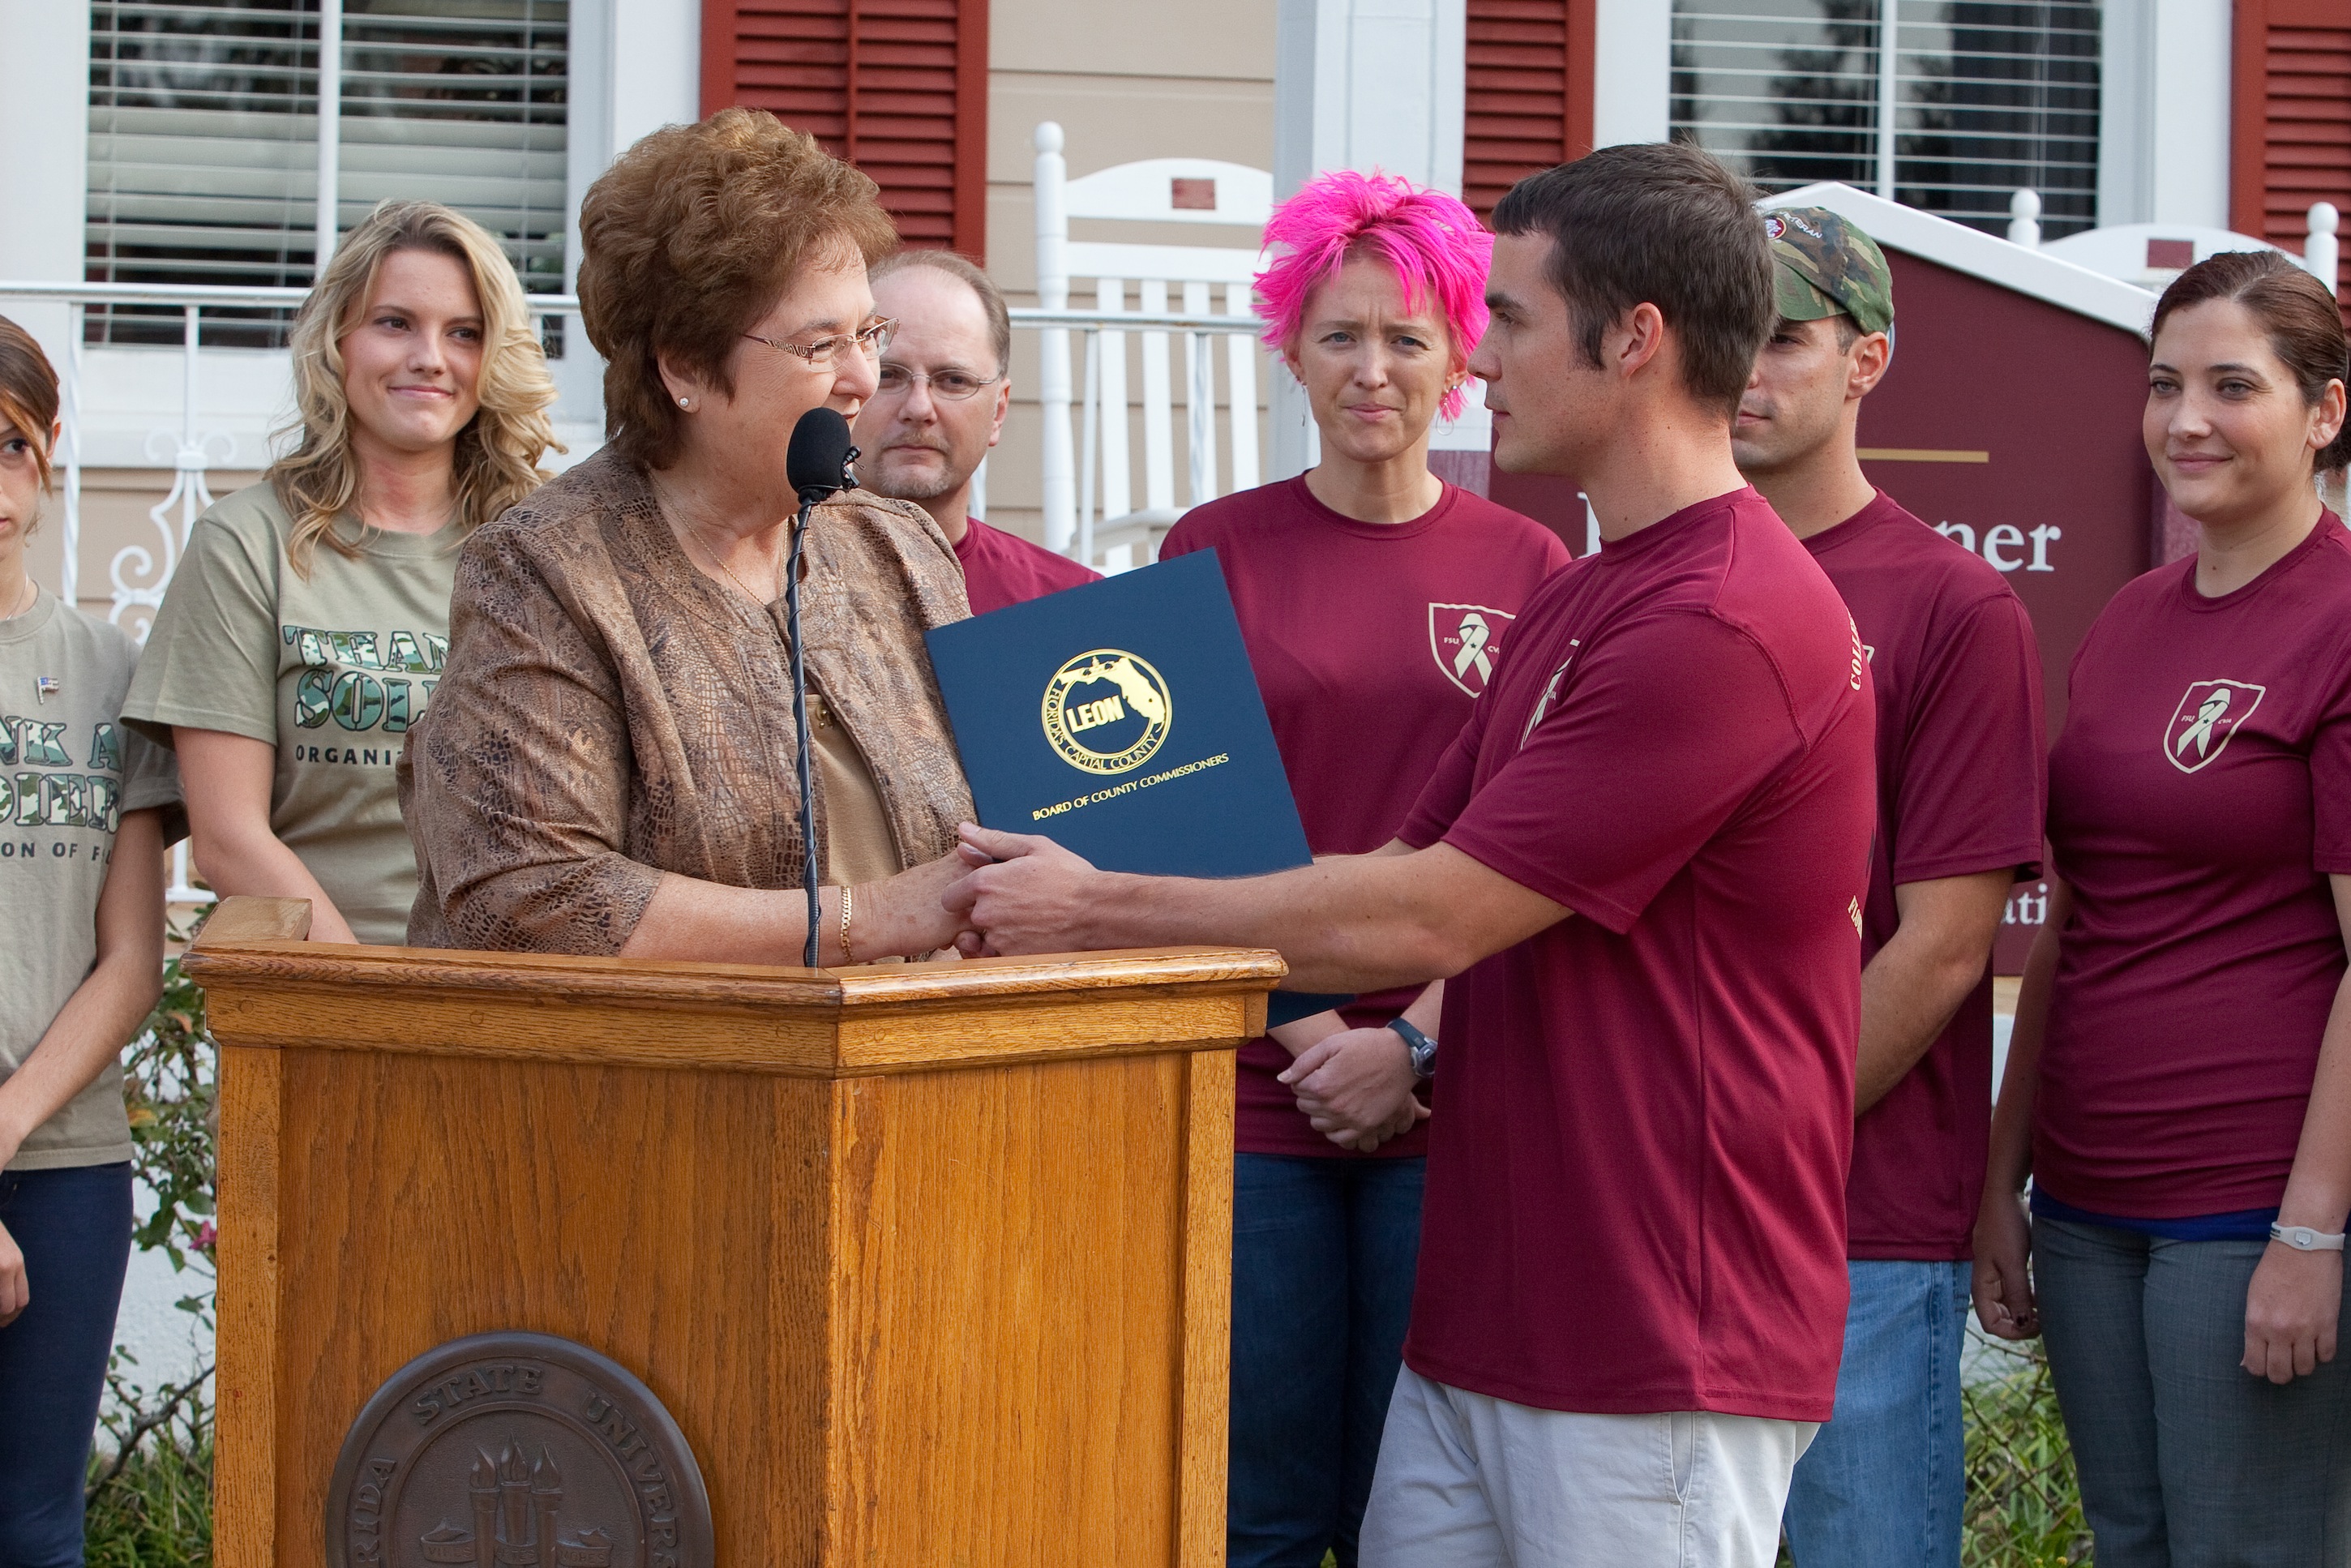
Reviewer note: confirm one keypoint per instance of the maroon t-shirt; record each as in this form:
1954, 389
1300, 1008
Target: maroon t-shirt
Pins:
1637, 1168
1370, 642
1001, 569
1959, 791
2198, 799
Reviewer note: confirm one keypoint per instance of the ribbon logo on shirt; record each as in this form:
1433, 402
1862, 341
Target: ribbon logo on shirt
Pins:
1466, 640
2208, 715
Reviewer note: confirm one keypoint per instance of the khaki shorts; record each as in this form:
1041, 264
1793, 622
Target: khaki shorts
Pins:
1467, 1480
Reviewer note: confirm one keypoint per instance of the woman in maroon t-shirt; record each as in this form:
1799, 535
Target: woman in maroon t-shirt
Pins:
2178, 1086
1374, 599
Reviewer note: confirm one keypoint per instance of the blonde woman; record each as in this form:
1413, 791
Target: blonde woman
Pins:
308, 625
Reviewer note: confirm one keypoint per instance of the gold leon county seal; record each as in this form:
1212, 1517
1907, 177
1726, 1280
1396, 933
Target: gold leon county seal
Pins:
1107, 711
516, 1450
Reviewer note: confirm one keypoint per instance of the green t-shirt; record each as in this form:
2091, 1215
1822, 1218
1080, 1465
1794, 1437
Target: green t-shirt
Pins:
329, 669
68, 772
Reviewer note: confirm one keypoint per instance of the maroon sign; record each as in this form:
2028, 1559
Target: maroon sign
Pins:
2011, 425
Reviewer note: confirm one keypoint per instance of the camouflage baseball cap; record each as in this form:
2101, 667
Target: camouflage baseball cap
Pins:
1826, 265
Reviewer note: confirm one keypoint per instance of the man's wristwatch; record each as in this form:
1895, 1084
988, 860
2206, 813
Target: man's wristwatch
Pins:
2302, 1238
1424, 1053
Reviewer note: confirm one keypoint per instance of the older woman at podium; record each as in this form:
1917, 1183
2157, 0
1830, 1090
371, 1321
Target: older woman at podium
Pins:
607, 763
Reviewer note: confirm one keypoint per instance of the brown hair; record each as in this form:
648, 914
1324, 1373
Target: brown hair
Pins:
496, 461
1665, 223
690, 238
991, 300
2305, 327
28, 391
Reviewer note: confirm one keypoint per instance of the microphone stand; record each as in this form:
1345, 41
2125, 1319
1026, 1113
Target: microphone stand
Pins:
809, 878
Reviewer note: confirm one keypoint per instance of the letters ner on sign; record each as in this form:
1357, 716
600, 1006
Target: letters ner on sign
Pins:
504, 1449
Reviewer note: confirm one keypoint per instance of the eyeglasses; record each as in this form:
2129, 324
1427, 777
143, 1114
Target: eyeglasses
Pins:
822, 354
953, 385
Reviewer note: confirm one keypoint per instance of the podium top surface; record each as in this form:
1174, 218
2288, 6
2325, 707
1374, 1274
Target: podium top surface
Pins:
265, 984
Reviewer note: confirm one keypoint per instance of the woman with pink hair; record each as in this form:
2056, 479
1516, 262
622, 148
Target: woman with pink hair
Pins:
1374, 598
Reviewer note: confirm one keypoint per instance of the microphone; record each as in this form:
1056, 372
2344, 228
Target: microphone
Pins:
816, 464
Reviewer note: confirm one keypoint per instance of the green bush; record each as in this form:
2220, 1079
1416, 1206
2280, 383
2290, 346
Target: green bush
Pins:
2024, 1506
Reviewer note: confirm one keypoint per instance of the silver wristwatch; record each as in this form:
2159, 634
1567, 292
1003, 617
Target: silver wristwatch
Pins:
1422, 1047
2302, 1238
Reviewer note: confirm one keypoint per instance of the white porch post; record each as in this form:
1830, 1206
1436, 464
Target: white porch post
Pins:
635, 66
45, 192
1360, 84
1053, 342
331, 129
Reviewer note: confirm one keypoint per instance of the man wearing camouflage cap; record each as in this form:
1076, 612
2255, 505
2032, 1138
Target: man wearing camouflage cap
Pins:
1957, 678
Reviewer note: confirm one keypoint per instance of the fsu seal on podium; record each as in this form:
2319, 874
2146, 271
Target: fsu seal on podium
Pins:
516, 1450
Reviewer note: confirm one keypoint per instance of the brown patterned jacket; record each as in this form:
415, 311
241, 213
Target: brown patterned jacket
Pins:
608, 713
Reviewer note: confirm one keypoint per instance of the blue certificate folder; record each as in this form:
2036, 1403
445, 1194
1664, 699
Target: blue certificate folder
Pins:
1121, 720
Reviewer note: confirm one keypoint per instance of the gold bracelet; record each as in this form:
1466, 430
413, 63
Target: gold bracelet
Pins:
847, 956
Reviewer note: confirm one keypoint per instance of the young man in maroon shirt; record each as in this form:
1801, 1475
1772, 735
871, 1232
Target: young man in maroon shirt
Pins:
1960, 803
943, 388
1644, 858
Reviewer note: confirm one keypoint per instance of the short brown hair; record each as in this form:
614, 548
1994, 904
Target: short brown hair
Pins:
28, 391
690, 238
2297, 312
991, 299
1665, 223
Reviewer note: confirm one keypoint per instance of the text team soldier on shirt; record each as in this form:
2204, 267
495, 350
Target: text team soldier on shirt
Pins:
1632, 1281
1959, 793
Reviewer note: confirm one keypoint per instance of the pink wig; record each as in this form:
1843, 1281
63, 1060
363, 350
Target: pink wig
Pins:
1434, 243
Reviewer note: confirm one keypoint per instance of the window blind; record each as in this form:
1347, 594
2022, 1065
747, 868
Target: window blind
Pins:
203, 139
1987, 98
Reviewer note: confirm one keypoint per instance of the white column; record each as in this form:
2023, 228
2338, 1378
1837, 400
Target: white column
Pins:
331, 131
45, 193
635, 66
1633, 73
2163, 113
45, 184
1061, 479
1359, 84
1889, 91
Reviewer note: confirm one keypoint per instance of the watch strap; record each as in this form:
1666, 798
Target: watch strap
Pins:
2302, 1238
1422, 1048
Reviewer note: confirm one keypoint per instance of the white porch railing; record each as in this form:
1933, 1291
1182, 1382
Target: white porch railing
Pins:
138, 573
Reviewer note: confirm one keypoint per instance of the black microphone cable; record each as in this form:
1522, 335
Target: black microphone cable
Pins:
817, 465
801, 729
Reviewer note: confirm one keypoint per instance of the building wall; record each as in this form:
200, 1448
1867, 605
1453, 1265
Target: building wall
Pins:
1126, 79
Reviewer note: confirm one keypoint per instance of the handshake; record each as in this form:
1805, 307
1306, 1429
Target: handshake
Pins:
1009, 893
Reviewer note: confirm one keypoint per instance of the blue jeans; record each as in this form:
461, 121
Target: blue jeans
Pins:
73, 1228
1886, 1480
2187, 1459
1324, 1251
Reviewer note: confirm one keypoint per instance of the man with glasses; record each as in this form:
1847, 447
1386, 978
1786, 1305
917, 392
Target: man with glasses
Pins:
945, 388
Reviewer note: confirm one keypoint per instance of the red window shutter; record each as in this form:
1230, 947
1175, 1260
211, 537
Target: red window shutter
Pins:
1526, 102
2292, 117
898, 88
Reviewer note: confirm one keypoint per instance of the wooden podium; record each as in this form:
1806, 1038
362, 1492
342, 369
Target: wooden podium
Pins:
931, 1263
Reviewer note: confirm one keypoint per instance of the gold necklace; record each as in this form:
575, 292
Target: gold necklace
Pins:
693, 536
720, 563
